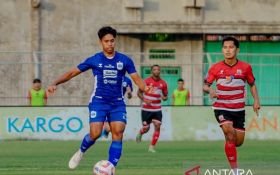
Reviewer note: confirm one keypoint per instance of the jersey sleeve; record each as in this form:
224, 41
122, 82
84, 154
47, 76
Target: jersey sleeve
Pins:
130, 67
250, 76
87, 64
210, 77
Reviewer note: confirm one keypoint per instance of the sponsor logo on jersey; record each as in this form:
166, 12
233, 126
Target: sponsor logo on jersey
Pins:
105, 81
100, 65
109, 66
110, 73
229, 78
119, 65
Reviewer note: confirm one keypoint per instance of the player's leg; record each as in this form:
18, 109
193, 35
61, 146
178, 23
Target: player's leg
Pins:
88, 141
239, 126
115, 151
117, 122
106, 130
240, 136
96, 120
157, 118
226, 123
230, 147
146, 121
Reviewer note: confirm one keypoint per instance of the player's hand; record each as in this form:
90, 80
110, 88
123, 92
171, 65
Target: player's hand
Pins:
52, 89
164, 98
213, 93
256, 107
148, 102
147, 89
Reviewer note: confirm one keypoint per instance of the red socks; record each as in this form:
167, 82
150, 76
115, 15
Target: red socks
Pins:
155, 138
230, 150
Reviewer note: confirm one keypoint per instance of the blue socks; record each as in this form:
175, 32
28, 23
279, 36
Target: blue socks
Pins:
115, 152
86, 144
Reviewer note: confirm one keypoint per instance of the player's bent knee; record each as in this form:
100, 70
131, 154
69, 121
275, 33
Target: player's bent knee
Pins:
230, 136
239, 144
144, 123
94, 135
117, 135
146, 128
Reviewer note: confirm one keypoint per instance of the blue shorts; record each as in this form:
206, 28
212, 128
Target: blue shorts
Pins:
101, 111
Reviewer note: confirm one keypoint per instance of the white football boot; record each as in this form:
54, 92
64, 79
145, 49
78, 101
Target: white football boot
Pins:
75, 159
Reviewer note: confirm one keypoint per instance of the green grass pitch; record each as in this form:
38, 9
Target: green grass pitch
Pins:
172, 158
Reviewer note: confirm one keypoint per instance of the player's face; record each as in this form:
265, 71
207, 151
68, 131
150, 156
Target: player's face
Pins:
229, 50
36, 86
180, 84
108, 43
156, 71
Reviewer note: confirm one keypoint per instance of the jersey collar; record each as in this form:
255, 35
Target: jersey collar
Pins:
231, 65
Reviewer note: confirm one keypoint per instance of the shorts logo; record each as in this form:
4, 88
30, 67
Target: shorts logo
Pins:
119, 65
92, 114
221, 118
124, 116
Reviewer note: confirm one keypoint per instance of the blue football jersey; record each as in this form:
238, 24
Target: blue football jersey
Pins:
109, 75
127, 83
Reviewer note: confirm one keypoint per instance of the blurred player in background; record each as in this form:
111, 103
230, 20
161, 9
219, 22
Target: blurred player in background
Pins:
151, 105
37, 96
127, 93
231, 76
181, 95
109, 68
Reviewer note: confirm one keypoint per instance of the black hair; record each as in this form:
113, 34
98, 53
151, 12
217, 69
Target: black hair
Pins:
180, 79
155, 65
107, 30
36, 80
230, 38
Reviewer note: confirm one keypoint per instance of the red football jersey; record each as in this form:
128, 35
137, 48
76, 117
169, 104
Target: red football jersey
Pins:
157, 89
230, 82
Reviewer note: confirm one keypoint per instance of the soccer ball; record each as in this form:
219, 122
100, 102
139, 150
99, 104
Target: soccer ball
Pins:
104, 167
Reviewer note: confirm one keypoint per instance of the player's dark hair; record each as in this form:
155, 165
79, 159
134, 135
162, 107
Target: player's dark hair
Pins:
107, 30
36, 80
155, 65
230, 38
180, 80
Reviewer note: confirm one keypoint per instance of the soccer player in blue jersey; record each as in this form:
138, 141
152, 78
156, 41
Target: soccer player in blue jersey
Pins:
109, 68
127, 93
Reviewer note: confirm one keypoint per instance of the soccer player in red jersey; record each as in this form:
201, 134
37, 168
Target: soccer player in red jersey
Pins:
231, 76
151, 105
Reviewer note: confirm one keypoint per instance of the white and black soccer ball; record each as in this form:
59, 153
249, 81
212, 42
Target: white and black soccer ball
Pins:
103, 167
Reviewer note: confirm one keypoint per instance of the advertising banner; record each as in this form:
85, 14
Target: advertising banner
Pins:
179, 123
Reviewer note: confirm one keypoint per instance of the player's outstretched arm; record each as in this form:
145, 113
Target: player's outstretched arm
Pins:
256, 105
138, 81
63, 78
